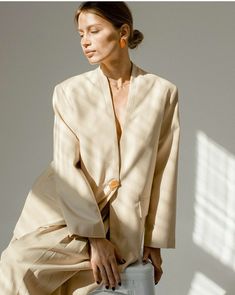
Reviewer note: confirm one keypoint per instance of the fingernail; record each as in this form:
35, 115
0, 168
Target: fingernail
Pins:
119, 283
98, 282
123, 261
113, 288
106, 287
156, 283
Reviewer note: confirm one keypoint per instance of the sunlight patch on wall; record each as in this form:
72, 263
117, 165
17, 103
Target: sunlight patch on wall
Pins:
202, 285
214, 226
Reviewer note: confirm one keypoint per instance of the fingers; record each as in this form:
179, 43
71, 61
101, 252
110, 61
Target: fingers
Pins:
104, 276
110, 276
146, 255
107, 272
154, 255
99, 273
157, 274
96, 274
104, 259
157, 262
115, 271
119, 257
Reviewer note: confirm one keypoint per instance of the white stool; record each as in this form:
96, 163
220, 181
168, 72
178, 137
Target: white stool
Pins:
137, 279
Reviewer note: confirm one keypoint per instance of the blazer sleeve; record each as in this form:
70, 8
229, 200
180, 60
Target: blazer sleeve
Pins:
161, 217
76, 198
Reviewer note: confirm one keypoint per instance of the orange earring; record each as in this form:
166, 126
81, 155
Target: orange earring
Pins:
122, 43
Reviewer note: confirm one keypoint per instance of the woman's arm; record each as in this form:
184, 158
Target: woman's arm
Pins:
161, 217
76, 198
160, 221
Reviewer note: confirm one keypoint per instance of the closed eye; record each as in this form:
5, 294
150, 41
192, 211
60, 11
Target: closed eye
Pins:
93, 32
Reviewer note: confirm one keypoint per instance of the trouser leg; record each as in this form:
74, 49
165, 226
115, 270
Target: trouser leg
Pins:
41, 261
46, 261
82, 283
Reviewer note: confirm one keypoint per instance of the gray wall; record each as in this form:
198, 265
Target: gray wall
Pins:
192, 45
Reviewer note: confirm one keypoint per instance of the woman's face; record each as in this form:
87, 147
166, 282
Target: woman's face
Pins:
99, 38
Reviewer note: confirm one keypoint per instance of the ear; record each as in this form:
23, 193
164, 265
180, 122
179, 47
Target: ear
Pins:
125, 31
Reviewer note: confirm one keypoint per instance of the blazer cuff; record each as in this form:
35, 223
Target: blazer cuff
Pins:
155, 239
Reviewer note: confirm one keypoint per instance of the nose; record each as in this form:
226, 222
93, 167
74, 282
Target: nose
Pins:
85, 41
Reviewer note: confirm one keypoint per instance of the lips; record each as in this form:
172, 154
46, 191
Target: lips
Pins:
89, 52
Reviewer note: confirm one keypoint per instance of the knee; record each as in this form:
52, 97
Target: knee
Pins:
14, 253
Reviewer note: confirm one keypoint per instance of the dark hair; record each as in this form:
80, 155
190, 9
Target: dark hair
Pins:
117, 13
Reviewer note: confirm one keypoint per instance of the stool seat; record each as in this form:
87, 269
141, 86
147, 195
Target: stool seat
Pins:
137, 279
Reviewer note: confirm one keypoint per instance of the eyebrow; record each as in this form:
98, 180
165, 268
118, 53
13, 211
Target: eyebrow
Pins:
92, 25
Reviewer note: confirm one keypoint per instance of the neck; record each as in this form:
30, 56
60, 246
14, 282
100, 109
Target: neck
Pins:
117, 71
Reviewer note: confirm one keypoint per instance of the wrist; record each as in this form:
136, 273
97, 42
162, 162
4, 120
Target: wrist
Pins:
94, 240
91, 240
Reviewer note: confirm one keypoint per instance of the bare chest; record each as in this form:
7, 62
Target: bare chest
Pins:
119, 98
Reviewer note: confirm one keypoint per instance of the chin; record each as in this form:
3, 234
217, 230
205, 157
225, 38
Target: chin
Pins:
91, 62
96, 60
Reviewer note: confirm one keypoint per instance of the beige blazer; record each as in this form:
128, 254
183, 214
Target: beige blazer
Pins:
89, 168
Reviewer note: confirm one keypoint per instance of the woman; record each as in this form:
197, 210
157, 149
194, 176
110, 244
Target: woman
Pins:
112, 182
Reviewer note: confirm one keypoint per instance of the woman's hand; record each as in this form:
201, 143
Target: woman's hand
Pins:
104, 258
154, 254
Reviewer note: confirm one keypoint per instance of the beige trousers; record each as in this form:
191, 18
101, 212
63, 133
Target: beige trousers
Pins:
47, 262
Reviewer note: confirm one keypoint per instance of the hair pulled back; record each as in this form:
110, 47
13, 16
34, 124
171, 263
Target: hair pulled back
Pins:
117, 13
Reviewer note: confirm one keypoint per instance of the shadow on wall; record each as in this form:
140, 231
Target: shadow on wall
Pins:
214, 223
